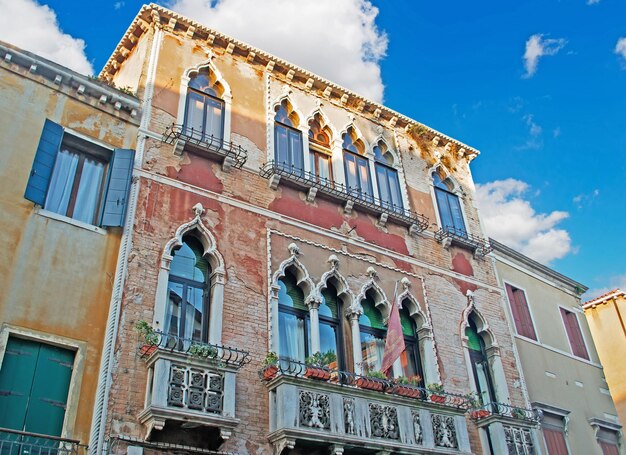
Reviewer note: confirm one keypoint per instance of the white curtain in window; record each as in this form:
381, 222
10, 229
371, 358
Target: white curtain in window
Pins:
291, 337
88, 191
61, 183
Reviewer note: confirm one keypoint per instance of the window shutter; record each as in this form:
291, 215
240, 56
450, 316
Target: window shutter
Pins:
514, 309
116, 197
574, 334
524, 312
555, 441
43, 164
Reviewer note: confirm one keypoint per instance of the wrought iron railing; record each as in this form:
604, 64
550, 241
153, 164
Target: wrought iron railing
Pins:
157, 340
505, 410
340, 191
13, 442
292, 368
207, 142
480, 246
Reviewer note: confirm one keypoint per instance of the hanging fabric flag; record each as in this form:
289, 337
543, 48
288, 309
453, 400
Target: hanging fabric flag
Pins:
394, 344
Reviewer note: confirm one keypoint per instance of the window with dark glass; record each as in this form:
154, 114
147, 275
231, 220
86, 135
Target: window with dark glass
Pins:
293, 320
574, 334
449, 206
373, 333
320, 151
387, 178
480, 365
356, 167
410, 358
331, 334
188, 293
204, 112
288, 140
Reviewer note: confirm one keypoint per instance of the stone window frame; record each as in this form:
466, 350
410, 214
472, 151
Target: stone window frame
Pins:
217, 278
457, 191
226, 96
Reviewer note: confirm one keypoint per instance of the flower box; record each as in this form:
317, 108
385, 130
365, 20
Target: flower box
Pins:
370, 384
406, 391
319, 373
270, 372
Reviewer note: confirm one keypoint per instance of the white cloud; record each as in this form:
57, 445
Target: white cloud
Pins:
337, 39
593, 2
34, 27
620, 49
536, 47
613, 282
118, 5
581, 200
511, 219
534, 140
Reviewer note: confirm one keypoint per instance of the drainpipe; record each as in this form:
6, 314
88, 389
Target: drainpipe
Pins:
98, 423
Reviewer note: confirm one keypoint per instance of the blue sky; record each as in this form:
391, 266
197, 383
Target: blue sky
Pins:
553, 143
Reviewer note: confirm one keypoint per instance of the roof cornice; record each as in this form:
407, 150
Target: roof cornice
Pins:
576, 287
58, 77
605, 298
164, 18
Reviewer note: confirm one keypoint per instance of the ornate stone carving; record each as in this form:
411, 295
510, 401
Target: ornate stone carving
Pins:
519, 441
444, 431
196, 389
348, 415
384, 421
314, 410
417, 427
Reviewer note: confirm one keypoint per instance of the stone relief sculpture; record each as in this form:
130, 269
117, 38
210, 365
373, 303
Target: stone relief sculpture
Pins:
444, 430
314, 410
384, 421
348, 415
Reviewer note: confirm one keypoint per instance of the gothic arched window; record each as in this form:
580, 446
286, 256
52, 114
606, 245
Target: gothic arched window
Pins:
204, 111
288, 139
449, 206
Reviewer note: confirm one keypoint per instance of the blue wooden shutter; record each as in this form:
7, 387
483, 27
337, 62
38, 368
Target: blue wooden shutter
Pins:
116, 197
43, 165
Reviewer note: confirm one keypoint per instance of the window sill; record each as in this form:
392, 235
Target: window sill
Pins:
68, 220
449, 236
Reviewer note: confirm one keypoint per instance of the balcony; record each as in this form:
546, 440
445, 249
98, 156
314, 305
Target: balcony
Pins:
505, 412
350, 197
313, 407
190, 383
451, 236
13, 442
187, 140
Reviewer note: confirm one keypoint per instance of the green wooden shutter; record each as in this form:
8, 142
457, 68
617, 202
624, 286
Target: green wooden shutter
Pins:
48, 397
43, 164
407, 323
374, 316
16, 380
330, 299
118, 187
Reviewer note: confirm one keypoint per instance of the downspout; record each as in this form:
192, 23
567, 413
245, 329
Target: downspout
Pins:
98, 424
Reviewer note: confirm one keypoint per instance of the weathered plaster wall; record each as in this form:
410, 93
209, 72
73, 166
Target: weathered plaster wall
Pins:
56, 277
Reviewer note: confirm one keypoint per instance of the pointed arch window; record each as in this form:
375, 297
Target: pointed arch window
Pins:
330, 325
481, 370
373, 333
188, 293
449, 206
358, 180
293, 320
387, 178
410, 359
204, 111
288, 151
319, 150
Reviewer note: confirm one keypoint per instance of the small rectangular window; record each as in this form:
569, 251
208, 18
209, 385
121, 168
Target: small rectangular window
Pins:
521, 312
574, 334
79, 179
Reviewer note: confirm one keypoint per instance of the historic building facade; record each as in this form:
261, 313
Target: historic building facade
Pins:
66, 167
606, 315
561, 367
274, 212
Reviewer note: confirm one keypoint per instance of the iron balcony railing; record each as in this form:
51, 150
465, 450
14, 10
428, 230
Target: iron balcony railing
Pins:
461, 237
505, 410
201, 141
221, 355
292, 368
306, 180
13, 442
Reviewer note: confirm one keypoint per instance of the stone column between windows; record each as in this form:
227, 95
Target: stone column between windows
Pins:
216, 307
160, 304
315, 324
356, 341
274, 329
427, 354
499, 378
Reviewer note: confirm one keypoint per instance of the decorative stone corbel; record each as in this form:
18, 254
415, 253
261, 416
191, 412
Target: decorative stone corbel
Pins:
282, 444
392, 122
448, 147
190, 31
436, 141
230, 48
225, 433
382, 220
327, 91
336, 449
460, 154
251, 56
270, 66
377, 113
405, 283
347, 209
446, 243
293, 249
290, 75
310, 196
371, 273
179, 146
198, 210
228, 163
309, 83
333, 261
344, 98
274, 181
210, 39
414, 230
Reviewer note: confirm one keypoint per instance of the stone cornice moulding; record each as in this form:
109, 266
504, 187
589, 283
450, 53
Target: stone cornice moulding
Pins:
58, 77
172, 22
